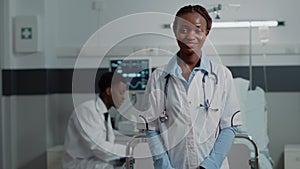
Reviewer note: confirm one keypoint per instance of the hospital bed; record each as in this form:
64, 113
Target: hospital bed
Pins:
255, 120
250, 148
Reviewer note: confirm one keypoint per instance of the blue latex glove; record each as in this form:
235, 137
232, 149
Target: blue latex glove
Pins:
159, 155
221, 148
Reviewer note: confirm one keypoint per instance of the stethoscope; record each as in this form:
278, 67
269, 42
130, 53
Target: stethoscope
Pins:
207, 103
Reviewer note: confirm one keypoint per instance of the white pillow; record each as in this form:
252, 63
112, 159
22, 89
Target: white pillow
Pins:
242, 86
254, 114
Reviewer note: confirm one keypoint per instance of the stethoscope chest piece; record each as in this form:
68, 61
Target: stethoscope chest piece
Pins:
163, 117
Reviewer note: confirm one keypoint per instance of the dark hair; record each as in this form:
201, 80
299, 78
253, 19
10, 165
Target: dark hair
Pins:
108, 79
194, 8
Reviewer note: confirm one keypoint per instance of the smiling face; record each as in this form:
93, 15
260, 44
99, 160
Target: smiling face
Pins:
190, 31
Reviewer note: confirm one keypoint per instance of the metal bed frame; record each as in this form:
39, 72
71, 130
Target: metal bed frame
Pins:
253, 162
129, 164
130, 149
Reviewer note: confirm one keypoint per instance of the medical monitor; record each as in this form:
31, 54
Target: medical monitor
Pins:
135, 70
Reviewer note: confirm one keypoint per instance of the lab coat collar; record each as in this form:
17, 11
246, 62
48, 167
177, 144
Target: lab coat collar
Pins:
100, 106
173, 67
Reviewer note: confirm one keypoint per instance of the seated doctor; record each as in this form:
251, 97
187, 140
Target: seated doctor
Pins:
190, 104
89, 142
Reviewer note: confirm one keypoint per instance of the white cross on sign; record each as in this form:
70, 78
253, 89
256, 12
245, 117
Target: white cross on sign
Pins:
26, 33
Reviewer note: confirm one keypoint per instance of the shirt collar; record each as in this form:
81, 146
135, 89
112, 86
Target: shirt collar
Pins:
173, 67
205, 64
100, 106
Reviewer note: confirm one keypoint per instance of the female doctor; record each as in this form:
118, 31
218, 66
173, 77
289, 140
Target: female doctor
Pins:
191, 106
89, 142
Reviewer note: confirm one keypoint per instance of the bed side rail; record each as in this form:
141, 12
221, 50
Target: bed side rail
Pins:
130, 149
253, 162
129, 164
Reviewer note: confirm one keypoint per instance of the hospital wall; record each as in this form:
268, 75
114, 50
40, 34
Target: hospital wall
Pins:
36, 87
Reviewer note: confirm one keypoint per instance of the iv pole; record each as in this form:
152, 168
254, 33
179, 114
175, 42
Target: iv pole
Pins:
279, 23
250, 56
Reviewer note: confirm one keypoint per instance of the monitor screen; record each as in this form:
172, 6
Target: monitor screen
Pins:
136, 71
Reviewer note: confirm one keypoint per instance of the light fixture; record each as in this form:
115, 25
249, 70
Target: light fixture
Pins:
246, 24
240, 24
217, 15
216, 10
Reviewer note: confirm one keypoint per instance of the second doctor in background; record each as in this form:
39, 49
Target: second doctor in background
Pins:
191, 106
89, 142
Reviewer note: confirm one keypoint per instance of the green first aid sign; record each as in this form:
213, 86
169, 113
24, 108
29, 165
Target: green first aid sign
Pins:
26, 33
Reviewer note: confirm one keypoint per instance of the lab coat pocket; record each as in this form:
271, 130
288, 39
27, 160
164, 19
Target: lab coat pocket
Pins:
209, 124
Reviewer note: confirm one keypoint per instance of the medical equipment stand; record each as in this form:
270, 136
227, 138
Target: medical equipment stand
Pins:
250, 57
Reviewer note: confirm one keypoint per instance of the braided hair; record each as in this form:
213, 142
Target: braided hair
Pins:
191, 9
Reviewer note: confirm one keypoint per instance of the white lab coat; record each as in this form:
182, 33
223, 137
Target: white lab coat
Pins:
85, 143
190, 133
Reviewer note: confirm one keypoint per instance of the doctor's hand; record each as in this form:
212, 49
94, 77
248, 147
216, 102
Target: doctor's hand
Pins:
200, 167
